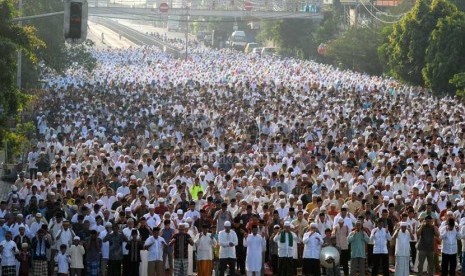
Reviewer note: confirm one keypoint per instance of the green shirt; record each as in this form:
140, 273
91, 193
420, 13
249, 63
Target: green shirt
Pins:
358, 241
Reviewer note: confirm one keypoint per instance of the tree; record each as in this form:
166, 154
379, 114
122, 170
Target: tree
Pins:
13, 38
357, 49
445, 55
458, 80
459, 3
57, 55
404, 47
293, 36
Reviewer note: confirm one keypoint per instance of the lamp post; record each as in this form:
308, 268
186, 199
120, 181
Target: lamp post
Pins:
187, 30
18, 70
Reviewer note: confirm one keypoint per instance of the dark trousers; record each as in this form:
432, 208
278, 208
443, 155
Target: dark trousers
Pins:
133, 268
345, 256
114, 268
285, 266
240, 254
274, 264
413, 251
32, 174
227, 262
311, 267
382, 259
370, 255
125, 265
449, 264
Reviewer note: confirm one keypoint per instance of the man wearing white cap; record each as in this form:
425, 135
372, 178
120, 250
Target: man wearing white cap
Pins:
380, 237
180, 242
403, 236
105, 248
205, 242
153, 220
256, 246
348, 218
312, 247
285, 240
228, 241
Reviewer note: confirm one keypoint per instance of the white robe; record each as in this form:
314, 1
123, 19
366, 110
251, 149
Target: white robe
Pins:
402, 253
255, 247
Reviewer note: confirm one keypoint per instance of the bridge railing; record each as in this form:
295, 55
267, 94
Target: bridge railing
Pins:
309, 6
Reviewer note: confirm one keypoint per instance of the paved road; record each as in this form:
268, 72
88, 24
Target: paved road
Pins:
111, 38
145, 28
135, 36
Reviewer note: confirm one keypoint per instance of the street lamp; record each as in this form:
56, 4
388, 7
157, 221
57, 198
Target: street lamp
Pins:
187, 29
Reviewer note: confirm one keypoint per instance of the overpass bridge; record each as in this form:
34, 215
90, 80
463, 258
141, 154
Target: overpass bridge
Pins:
137, 13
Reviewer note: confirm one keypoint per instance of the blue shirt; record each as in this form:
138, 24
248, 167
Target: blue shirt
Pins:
3, 231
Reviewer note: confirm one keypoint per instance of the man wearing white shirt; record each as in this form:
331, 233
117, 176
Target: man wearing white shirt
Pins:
64, 235
36, 225
256, 246
228, 242
153, 220
105, 248
155, 245
124, 190
8, 251
449, 236
349, 219
127, 232
380, 237
285, 240
403, 236
282, 210
311, 256
205, 242
192, 213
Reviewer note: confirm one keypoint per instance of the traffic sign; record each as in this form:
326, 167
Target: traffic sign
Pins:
248, 6
163, 7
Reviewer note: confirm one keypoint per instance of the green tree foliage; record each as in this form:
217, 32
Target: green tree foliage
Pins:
459, 3
292, 37
328, 28
57, 55
445, 55
357, 49
458, 80
404, 47
12, 38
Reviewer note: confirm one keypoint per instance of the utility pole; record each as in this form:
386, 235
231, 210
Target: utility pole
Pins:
20, 54
187, 29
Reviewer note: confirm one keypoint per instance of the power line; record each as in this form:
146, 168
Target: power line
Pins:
385, 13
377, 18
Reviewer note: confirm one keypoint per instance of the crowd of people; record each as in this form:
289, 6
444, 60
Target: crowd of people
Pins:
232, 163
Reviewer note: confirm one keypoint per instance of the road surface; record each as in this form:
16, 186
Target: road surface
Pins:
110, 38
